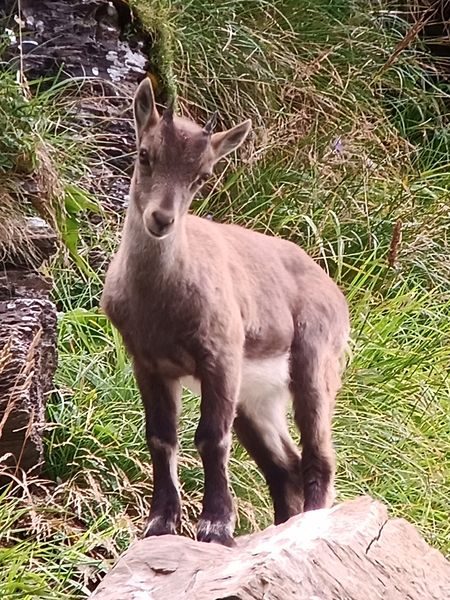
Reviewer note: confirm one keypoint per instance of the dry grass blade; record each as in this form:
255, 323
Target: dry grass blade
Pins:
408, 39
395, 243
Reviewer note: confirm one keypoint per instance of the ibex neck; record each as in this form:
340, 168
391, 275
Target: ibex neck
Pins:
156, 260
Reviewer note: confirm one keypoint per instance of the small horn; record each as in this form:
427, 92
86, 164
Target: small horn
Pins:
168, 111
211, 123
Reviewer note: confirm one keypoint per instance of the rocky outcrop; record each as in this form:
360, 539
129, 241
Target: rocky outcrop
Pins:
27, 354
96, 45
352, 551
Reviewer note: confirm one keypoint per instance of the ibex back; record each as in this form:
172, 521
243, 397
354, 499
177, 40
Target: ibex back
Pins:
251, 319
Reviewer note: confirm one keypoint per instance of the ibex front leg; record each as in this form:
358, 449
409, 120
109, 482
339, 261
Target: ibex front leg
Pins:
213, 440
161, 398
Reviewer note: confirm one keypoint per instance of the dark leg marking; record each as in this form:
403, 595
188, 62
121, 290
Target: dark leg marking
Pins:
213, 440
282, 471
161, 398
315, 382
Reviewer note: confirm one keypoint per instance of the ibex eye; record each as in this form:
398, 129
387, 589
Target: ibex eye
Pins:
143, 156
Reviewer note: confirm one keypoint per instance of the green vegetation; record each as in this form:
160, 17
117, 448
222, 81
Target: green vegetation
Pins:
350, 138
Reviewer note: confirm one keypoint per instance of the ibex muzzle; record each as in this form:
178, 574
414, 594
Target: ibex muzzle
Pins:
158, 221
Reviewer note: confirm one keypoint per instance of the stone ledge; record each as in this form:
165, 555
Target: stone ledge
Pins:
353, 551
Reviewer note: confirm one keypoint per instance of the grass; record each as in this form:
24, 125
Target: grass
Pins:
347, 143
43, 162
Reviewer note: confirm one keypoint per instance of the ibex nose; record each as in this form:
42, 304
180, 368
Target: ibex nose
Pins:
162, 220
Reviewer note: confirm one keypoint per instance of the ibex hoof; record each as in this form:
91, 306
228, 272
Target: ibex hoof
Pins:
218, 532
160, 525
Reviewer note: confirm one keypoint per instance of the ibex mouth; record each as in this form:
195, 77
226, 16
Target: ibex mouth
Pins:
159, 235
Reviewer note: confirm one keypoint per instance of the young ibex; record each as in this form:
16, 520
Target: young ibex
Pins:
251, 318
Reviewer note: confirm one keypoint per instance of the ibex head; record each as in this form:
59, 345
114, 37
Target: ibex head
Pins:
175, 157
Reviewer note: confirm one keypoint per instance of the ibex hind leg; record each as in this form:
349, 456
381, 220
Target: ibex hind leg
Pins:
282, 473
315, 374
261, 428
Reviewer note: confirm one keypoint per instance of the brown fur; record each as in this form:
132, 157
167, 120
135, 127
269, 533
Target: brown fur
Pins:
200, 299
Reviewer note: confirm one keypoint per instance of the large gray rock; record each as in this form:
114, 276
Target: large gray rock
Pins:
352, 551
27, 353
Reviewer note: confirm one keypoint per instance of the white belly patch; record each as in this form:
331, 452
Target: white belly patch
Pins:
263, 398
261, 379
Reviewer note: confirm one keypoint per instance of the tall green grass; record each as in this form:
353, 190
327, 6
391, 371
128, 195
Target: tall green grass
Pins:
345, 145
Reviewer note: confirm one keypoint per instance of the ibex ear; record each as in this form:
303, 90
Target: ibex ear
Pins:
144, 107
226, 141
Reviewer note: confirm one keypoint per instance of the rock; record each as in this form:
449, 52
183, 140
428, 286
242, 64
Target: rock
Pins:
83, 38
27, 350
352, 551
27, 365
38, 241
94, 45
97, 43
23, 284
